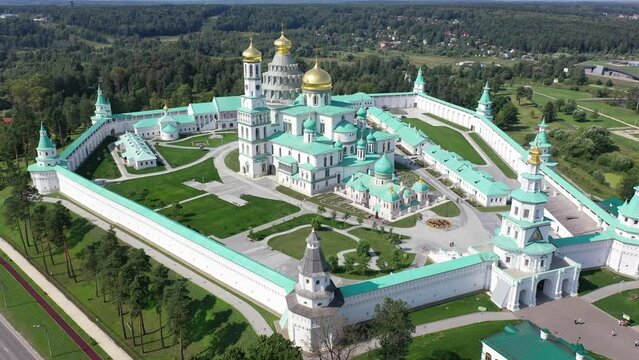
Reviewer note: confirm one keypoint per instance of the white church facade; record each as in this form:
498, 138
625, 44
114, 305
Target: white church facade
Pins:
315, 143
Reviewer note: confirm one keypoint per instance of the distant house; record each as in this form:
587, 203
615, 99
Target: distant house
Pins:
609, 71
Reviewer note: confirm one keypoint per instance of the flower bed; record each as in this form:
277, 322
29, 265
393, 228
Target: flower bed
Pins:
437, 223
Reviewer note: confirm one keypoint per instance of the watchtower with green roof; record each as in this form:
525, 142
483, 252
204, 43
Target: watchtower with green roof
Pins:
541, 141
628, 219
420, 85
485, 105
43, 173
102, 107
47, 153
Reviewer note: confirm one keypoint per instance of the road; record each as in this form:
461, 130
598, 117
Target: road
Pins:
13, 345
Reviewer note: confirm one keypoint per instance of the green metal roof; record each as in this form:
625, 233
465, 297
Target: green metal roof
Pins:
420, 77
45, 142
417, 273
169, 129
81, 139
420, 186
307, 166
193, 236
529, 197
309, 123
101, 99
226, 103
135, 147
321, 145
485, 96
631, 208
525, 224
289, 160
611, 205
345, 126
523, 342
533, 248
351, 98
384, 166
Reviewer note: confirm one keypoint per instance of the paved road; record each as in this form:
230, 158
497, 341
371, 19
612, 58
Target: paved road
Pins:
609, 290
13, 345
83, 345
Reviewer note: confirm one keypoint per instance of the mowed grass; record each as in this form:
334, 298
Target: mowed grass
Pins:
449, 139
590, 280
305, 219
205, 139
505, 169
465, 341
407, 222
178, 157
232, 160
100, 164
167, 188
382, 246
294, 244
461, 306
215, 324
211, 215
447, 209
626, 302
23, 312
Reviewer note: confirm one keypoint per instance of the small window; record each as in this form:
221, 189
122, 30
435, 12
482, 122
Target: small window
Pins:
507, 259
307, 281
527, 262
542, 263
316, 282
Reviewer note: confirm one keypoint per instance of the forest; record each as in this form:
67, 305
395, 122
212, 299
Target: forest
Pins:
146, 55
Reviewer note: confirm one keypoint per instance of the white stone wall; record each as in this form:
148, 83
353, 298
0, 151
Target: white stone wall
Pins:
590, 254
238, 278
494, 355
624, 258
420, 292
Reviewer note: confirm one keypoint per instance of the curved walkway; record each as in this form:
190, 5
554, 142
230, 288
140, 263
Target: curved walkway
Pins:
102, 339
254, 318
609, 290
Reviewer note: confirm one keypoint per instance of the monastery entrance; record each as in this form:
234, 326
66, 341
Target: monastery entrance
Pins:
565, 287
523, 299
543, 286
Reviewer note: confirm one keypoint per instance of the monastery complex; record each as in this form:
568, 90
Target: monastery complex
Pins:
292, 129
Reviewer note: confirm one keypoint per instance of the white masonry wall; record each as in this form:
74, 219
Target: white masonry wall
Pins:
589, 254
420, 292
238, 278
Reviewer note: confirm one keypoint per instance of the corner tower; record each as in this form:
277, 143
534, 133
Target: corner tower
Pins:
253, 118
485, 105
283, 79
42, 172
315, 302
420, 85
102, 107
628, 219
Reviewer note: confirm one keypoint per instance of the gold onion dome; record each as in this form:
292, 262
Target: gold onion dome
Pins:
534, 153
251, 54
283, 45
316, 79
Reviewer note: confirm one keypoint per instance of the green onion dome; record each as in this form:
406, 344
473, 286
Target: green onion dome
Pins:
384, 167
361, 113
310, 124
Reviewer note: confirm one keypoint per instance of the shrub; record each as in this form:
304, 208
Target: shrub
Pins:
621, 163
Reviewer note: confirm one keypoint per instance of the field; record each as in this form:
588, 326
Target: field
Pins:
590, 280
337, 203
461, 306
448, 209
448, 139
215, 326
22, 311
305, 219
196, 141
626, 302
380, 244
167, 188
211, 215
100, 164
294, 244
505, 169
178, 157
406, 222
232, 161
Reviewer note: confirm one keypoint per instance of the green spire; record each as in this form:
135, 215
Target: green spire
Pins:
361, 113
45, 143
309, 123
631, 208
101, 100
485, 97
541, 139
420, 77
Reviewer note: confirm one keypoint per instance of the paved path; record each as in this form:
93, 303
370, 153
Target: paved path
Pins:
13, 345
254, 318
609, 290
103, 340
445, 324
594, 333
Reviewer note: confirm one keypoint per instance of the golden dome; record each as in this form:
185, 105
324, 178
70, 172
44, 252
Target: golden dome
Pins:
251, 54
534, 153
316, 79
283, 45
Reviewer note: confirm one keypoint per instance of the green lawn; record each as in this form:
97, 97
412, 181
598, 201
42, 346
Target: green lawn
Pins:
461, 306
442, 120
211, 215
232, 161
151, 170
380, 244
505, 169
294, 244
449, 139
464, 341
447, 209
407, 222
590, 280
23, 312
290, 192
626, 302
205, 140
305, 219
100, 164
167, 188
215, 325
178, 157
337, 203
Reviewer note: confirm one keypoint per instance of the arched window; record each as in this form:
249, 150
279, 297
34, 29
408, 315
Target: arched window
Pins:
315, 100
487, 356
